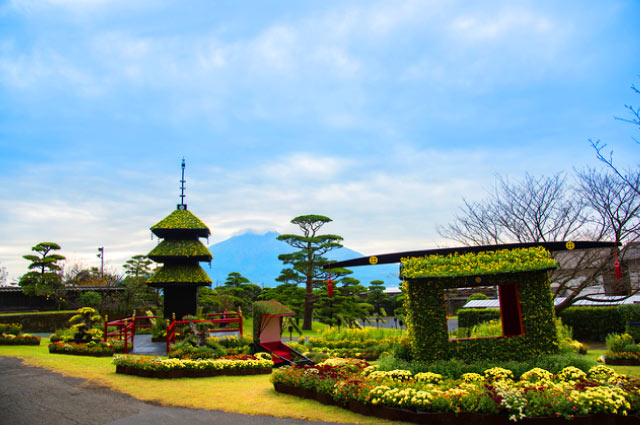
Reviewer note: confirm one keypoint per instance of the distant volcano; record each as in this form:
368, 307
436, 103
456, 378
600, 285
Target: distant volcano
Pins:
256, 258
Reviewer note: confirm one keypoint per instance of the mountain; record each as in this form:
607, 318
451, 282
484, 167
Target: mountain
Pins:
256, 258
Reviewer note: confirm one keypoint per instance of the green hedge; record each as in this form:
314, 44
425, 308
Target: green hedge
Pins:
588, 323
470, 317
593, 323
631, 313
47, 321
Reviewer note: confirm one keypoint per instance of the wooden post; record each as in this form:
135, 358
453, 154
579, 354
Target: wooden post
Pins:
133, 329
106, 320
167, 337
240, 323
126, 350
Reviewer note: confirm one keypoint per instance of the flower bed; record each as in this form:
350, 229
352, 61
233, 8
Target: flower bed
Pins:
21, 339
11, 334
622, 350
493, 397
622, 358
95, 349
156, 367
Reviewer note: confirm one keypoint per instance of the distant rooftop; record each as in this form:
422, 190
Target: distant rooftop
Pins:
603, 300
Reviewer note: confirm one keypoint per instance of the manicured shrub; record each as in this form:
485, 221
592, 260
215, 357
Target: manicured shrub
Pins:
470, 317
22, 339
631, 316
11, 328
454, 369
593, 323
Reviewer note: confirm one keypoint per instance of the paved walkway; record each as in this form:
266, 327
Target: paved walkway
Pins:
35, 396
142, 345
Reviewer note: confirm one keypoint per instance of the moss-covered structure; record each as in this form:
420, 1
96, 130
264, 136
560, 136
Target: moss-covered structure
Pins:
526, 304
180, 251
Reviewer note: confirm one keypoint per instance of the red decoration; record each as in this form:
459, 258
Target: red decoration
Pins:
616, 266
330, 288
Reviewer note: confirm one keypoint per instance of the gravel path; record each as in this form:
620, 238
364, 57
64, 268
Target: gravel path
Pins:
35, 396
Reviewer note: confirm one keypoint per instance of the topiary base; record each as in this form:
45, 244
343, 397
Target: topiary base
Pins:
185, 373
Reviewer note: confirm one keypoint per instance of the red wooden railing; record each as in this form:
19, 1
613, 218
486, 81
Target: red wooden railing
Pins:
236, 317
126, 328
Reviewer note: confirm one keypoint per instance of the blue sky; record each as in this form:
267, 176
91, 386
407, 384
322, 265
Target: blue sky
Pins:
381, 115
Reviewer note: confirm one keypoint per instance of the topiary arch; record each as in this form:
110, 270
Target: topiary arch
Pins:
526, 304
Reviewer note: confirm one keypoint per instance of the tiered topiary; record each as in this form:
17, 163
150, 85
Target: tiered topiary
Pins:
180, 252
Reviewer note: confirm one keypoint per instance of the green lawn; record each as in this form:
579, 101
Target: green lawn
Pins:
241, 394
623, 370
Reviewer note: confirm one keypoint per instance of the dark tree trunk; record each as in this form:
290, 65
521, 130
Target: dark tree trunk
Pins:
308, 306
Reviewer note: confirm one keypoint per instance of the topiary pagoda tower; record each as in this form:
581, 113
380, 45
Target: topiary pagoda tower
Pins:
180, 251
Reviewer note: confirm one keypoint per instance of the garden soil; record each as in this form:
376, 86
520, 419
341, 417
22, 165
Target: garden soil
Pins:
35, 396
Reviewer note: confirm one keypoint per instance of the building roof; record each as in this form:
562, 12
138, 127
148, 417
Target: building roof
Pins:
602, 301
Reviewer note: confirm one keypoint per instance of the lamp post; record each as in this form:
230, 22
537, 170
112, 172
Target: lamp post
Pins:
101, 257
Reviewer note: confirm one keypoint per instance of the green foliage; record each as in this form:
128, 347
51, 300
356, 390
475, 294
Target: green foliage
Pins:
631, 316
181, 219
490, 329
345, 307
235, 280
90, 299
174, 273
366, 343
470, 317
186, 350
456, 368
593, 323
619, 342
480, 263
87, 317
22, 339
236, 293
138, 266
477, 296
239, 291
44, 277
289, 294
186, 248
376, 296
11, 328
306, 264
428, 326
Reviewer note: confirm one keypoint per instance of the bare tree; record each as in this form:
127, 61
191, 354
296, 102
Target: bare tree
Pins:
630, 176
533, 210
599, 207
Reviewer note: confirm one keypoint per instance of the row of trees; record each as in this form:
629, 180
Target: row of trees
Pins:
47, 278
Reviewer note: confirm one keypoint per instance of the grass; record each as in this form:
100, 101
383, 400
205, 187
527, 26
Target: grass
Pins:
252, 395
633, 371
